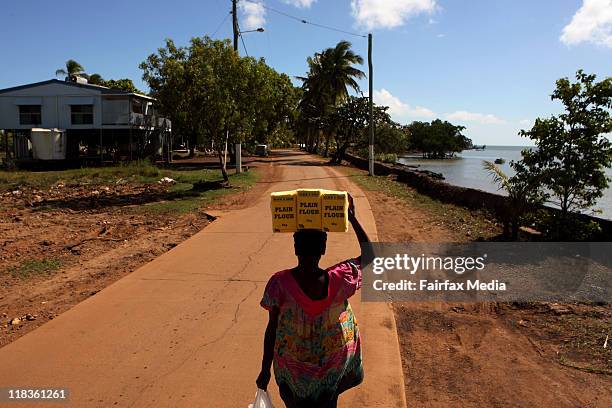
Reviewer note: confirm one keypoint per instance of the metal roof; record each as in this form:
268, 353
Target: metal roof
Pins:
104, 90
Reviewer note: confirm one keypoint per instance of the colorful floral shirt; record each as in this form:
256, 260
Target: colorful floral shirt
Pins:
317, 351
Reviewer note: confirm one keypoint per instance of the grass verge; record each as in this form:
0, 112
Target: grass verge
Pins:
455, 218
193, 189
31, 267
187, 195
137, 171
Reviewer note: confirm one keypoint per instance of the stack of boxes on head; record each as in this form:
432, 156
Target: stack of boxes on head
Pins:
309, 209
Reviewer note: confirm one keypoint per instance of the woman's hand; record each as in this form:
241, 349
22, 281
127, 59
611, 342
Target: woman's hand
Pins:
359, 231
351, 208
263, 380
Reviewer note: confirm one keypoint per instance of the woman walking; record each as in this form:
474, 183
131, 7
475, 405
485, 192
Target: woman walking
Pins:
312, 335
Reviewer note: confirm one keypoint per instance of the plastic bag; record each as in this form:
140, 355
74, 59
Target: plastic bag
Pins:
262, 400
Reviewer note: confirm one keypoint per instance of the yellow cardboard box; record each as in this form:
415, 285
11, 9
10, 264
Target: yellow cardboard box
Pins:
334, 211
284, 207
320, 209
309, 209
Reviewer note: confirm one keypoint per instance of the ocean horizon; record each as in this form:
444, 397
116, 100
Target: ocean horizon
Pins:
465, 170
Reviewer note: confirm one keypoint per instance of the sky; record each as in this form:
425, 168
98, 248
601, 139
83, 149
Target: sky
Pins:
489, 65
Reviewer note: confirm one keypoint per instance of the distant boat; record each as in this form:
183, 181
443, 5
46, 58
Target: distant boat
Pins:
499, 161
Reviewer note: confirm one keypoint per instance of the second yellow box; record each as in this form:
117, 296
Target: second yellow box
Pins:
309, 209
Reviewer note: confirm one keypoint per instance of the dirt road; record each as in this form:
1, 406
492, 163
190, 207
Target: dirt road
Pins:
186, 330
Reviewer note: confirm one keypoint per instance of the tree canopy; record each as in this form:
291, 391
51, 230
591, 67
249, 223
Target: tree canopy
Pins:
72, 68
571, 151
123, 84
331, 75
216, 98
437, 139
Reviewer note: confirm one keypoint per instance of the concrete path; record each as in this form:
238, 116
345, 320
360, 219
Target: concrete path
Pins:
186, 329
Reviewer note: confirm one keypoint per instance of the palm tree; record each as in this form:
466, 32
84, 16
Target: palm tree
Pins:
330, 75
519, 202
72, 68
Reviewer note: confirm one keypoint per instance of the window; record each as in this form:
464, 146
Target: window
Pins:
137, 106
29, 115
81, 114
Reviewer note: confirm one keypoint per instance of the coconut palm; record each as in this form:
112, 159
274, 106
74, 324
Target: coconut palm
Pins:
331, 73
72, 68
330, 76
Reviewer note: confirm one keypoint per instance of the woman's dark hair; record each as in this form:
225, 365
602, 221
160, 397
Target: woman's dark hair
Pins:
310, 242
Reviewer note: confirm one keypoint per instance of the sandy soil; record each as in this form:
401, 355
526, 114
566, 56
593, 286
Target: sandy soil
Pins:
76, 240
493, 355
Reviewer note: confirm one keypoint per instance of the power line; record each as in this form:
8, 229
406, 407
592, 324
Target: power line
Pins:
242, 39
222, 22
244, 45
304, 21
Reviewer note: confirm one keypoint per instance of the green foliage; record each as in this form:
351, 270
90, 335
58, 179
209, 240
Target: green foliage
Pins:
137, 171
520, 201
386, 157
351, 123
391, 138
123, 84
572, 152
32, 267
72, 68
556, 227
214, 97
437, 139
187, 197
330, 76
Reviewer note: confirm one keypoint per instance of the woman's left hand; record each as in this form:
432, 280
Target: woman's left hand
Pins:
263, 380
351, 207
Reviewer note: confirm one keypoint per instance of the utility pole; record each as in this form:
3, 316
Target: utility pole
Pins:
371, 103
235, 20
238, 146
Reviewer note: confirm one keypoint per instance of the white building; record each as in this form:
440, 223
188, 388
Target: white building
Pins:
95, 122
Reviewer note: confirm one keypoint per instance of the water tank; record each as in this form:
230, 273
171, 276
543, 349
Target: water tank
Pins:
48, 144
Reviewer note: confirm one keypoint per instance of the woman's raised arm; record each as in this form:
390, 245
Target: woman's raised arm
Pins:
362, 236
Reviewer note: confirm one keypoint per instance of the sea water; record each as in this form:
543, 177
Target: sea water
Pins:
466, 170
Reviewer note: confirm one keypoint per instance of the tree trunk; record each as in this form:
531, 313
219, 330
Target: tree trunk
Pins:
515, 230
326, 151
223, 165
339, 155
231, 153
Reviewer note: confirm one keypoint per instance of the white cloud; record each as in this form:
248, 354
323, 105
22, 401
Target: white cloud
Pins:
483, 118
388, 13
441, 35
253, 15
300, 3
591, 23
401, 111
525, 122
